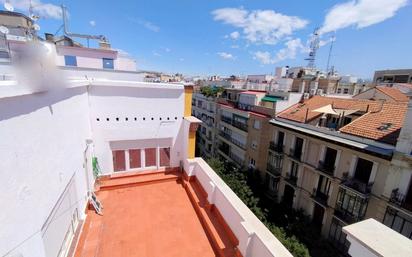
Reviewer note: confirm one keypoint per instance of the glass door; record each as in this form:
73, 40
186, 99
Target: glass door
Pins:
119, 160
150, 157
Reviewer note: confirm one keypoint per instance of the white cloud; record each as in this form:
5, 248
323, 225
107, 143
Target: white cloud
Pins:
235, 46
92, 23
44, 10
360, 13
147, 24
226, 56
166, 49
260, 26
234, 35
263, 57
291, 49
155, 53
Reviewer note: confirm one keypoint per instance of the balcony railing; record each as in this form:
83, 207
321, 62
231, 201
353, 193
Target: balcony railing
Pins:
326, 168
292, 179
229, 137
276, 171
224, 149
320, 196
239, 125
236, 158
359, 186
234, 123
275, 147
347, 216
400, 200
226, 119
295, 153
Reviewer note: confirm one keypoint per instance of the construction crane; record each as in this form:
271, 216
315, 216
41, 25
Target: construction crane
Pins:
332, 40
314, 46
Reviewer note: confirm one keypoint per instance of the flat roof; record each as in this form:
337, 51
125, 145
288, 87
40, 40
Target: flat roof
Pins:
379, 239
150, 214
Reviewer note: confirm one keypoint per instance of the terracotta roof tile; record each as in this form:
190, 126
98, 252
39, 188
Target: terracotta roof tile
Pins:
382, 121
393, 93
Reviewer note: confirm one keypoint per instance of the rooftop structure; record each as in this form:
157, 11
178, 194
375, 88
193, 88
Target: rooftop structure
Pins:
370, 119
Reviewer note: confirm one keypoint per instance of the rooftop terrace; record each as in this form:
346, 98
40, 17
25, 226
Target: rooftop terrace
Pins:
153, 214
170, 213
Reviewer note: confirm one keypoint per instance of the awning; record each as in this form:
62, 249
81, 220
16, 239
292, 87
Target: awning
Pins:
328, 109
271, 99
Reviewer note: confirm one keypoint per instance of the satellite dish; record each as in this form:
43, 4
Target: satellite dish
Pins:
36, 27
8, 6
4, 30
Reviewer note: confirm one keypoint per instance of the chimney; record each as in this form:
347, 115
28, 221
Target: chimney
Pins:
404, 144
104, 45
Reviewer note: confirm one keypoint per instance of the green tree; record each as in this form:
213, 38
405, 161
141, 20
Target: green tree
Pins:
237, 180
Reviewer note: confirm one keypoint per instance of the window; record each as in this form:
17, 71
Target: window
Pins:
294, 169
252, 162
150, 157
256, 124
339, 90
346, 90
108, 63
70, 60
119, 160
273, 183
134, 158
363, 170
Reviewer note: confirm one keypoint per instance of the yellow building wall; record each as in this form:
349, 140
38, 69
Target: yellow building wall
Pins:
188, 101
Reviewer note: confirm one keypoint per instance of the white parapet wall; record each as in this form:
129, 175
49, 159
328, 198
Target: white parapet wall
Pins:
370, 238
254, 238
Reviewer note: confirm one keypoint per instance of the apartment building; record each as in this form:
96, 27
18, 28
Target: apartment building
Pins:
204, 108
333, 158
243, 128
393, 76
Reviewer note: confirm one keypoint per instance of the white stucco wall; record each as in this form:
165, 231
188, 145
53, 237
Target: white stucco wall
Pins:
164, 104
44, 137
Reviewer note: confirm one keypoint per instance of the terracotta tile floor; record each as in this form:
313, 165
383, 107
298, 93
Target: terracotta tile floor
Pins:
147, 220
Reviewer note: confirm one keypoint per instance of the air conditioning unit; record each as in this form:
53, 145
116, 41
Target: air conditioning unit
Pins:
306, 96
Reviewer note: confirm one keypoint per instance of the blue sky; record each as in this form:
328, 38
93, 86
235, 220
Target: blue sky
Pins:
243, 37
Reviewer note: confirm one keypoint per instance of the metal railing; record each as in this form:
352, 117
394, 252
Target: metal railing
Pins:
320, 197
275, 147
357, 185
276, 171
291, 178
236, 158
295, 154
400, 200
234, 123
326, 168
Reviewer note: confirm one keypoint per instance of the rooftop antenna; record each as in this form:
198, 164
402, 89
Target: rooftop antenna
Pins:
70, 34
8, 6
314, 46
332, 40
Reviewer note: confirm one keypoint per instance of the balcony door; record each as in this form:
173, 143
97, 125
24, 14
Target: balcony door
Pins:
119, 160
363, 170
141, 159
330, 158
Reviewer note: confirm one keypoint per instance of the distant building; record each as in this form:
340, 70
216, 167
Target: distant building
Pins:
393, 76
